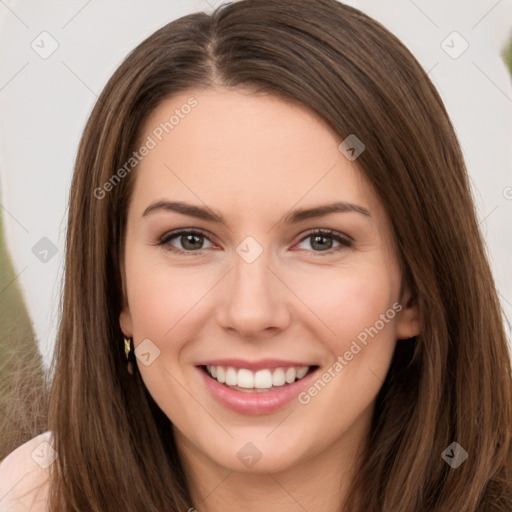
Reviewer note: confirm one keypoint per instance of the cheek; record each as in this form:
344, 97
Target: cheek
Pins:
169, 305
348, 300
360, 307
163, 311
162, 307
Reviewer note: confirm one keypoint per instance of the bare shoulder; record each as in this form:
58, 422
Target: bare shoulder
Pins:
24, 475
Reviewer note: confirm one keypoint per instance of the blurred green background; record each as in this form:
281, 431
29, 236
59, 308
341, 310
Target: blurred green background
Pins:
21, 375
507, 55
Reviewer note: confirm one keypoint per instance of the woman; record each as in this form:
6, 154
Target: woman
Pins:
266, 371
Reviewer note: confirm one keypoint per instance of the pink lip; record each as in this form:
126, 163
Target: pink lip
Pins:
255, 403
254, 365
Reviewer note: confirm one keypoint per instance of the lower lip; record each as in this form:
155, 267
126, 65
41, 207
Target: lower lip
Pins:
256, 403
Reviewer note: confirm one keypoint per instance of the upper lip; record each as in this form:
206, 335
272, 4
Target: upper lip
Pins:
260, 364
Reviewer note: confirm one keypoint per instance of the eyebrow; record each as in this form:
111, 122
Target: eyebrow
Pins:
293, 217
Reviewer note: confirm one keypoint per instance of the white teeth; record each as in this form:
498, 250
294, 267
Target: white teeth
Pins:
290, 375
221, 375
231, 379
245, 379
300, 373
261, 379
278, 377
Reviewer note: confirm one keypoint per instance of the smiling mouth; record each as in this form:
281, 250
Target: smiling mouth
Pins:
261, 381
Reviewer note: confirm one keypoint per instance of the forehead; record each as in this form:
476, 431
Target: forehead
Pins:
233, 149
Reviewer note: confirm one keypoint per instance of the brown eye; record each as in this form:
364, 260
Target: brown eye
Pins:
322, 241
190, 241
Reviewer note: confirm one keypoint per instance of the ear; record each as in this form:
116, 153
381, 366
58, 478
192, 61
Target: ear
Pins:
408, 322
125, 317
125, 320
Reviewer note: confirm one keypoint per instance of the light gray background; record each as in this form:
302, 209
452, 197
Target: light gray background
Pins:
44, 103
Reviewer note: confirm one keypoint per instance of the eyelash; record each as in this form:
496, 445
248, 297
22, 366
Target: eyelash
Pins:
328, 233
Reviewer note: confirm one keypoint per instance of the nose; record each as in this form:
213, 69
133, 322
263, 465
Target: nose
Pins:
254, 302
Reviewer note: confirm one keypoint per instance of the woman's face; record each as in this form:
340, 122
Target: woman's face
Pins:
253, 295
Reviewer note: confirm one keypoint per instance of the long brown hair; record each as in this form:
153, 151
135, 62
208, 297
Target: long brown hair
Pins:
452, 384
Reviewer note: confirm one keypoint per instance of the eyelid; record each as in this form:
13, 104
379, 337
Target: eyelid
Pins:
329, 232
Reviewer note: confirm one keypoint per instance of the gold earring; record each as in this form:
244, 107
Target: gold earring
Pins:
128, 344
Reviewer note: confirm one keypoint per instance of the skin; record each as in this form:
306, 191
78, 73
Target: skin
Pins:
253, 158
